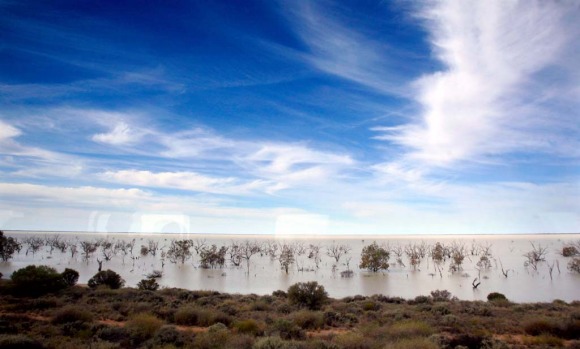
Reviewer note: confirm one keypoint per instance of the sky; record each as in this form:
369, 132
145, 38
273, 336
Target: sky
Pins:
290, 117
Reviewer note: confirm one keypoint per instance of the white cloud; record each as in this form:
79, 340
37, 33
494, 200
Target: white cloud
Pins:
337, 49
8, 131
120, 134
185, 180
490, 98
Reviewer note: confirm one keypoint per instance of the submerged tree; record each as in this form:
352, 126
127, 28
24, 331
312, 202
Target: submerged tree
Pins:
247, 250
286, 257
458, 252
536, 255
8, 246
314, 255
88, 247
574, 265
212, 257
34, 244
374, 258
179, 250
336, 251
413, 253
153, 246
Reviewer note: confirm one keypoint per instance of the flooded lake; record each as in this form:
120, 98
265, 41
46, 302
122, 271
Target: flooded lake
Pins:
505, 254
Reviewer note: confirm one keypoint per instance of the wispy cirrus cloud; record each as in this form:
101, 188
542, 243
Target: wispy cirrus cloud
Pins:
120, 134
338, 49
184, 180
506, 66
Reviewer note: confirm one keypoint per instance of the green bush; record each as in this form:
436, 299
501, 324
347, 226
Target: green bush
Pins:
107, 278
70, 277
19, 341
249, 326
496, 296
441, 295
194, 316
274, 343
306, 319
143, 326
309, 294
148, 284
167, 335
353, 340
187, 316
410, 329
37, 280
72, 313
287, 329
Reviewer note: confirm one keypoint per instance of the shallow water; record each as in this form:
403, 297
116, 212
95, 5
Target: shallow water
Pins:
523, 284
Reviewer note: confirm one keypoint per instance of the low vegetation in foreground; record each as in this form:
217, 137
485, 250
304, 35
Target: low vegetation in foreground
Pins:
41, 308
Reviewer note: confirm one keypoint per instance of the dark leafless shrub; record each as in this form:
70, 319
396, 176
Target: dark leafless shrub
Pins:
336, 251
88, 248
199, 245
153, 247
574, 265
536, 255
34, 244
247, 250
413, 253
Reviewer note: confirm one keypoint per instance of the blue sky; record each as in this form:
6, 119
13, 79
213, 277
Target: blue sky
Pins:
290, 117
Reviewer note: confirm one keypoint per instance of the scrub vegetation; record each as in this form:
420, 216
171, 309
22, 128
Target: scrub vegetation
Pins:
303, 317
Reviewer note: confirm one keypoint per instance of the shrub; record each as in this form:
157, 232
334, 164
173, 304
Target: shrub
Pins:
216, 337
143, 326
537, 327
194, 316
19, 342
148, 284
37, 280
249, 326
112, 334
287, 329
414, 343
187, 316
306, 319
108, 278
410, 329
421, 300
240, 341
167, 335
70, 277
274, 343
496, 296
72, 313
569, 251
441, 295
309, 294
574, 265
279, 293
353, 340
